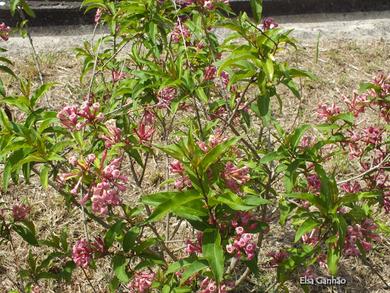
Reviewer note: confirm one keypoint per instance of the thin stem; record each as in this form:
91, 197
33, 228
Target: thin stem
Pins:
386, 159
88, 280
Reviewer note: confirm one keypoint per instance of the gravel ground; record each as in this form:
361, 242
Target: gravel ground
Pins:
350, 26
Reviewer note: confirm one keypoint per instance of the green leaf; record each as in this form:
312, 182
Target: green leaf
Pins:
297, 135
333, 260
257, 9
113, 233
176, 199
40, 92
306, 227
119, 263
44, 176
129, 240
213, 252
214, 154
192, 269
26, 230
269, 68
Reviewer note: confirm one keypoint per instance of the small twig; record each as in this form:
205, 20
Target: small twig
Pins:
88, 280
366, 172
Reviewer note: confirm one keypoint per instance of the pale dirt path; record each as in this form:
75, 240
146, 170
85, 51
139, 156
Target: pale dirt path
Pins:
351, 26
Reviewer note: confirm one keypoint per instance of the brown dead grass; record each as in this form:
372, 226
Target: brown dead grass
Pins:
340, 67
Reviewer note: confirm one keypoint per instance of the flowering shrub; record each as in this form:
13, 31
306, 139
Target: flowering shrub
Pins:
194, 103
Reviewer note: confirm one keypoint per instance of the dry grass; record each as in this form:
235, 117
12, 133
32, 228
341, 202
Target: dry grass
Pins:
340, 67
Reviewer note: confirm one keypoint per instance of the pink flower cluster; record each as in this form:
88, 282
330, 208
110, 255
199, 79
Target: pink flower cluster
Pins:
306, 141
117, 75
179, 32
106, 192
357, 104
210, 286
4, 31
88, 112
268, 23
363, 233
165, 97
196, 247
215, 139
20, 211
114, 134
83, 250
351, 187
183, 181
210, 72
325, 111
235, 177
142, 282
311, 238
82, 253
313, 182
277, 257
242, 244
146, 128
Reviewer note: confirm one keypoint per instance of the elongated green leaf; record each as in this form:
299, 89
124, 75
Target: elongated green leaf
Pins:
306, 227
176, 199
213, 252
192, 269
214, 154
269, 68
44, 176
26, 230
297, 135
257, 9
333, 260
40, 92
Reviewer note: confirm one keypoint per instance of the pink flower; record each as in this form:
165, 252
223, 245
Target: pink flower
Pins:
144, 132
311, 238
114, 134
351, 188
182, 182
195, 247
325, 111
235, 177
117, 75
306, 141
373, 135
239, 230
179, 32
73, 161
357, 103
106, 192
98, 15
210, 72
4, 31
176, 167
268, 23
98, 246
20, 212
277, 257
313, 182
165, 97
141, 283
230, 248
68, 117
363, 233
82, 253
